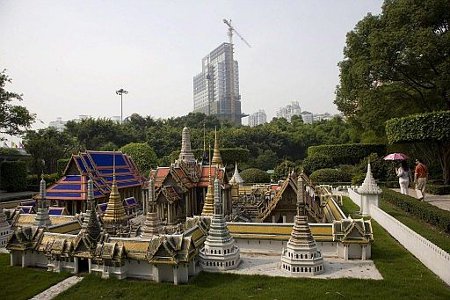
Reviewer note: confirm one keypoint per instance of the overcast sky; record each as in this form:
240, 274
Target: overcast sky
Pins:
69, 57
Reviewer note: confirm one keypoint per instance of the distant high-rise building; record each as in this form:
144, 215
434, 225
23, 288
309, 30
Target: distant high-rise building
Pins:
59, 124
257, 118
216, 88
307, 117
323, 117
289, 111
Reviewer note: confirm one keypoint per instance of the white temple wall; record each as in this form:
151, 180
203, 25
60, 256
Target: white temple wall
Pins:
34, 259
15, 258
165, 273
328, 249
140, 269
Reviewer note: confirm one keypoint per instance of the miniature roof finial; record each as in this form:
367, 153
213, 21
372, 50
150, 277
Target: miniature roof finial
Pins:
217, 159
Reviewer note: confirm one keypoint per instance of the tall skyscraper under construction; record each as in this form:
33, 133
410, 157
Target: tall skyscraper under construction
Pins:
216, 88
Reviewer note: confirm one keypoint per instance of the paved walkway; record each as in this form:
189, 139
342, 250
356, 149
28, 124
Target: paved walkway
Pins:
441, 201
269, 265
58, 288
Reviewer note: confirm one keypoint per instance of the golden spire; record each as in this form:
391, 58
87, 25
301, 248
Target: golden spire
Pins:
208, 206
217, 159
115, 213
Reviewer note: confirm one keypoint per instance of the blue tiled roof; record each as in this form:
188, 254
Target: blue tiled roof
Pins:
97, 165
130, 201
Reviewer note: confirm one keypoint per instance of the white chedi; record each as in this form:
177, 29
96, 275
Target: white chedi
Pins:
301, 255
220, 251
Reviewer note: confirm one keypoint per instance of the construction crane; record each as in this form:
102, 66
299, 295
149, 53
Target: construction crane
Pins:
230, 32
235, 117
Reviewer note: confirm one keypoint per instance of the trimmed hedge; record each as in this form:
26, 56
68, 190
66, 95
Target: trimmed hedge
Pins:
347, 154
330, 175
438, 189
420, 127
14, 176
425, 211
317, 162
254, 175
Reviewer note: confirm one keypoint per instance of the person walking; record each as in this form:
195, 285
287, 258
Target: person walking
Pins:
420, 179
403, 174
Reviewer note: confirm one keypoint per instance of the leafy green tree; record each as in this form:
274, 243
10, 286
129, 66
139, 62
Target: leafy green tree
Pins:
396, 64
48, 146
254, 175
142, 154
283, 169
93, 134
13, 118
266, 160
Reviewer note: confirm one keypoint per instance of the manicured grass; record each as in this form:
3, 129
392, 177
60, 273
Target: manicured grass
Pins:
431, 233
404, 278
18, 283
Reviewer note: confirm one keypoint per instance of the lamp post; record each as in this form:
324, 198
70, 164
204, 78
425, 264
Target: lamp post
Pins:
121, 92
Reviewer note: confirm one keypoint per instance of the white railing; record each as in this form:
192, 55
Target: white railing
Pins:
433, 257
356, 198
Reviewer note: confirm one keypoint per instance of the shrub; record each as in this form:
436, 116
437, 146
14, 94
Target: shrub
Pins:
317, 162
330, 175
14, 176
346, 154
425, 211
436, 189
254, 175
33, 180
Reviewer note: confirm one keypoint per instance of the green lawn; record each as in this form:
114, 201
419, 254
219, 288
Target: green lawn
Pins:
18, 283
404, 278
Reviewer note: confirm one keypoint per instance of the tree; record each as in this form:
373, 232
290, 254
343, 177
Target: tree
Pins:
396, 64
142, 154
46, 146
13, 118
254, 175
428, 134
95, 134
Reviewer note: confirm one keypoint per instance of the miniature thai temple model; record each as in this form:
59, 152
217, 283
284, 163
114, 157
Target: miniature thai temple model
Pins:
369, 192
5, 229
115, 218
42, 217
301, 255
152, 225
208, 206
220, 251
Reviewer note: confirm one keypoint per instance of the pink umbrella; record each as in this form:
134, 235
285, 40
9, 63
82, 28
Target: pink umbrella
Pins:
395, 156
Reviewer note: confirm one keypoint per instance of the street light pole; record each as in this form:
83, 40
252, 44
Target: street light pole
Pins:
121, 92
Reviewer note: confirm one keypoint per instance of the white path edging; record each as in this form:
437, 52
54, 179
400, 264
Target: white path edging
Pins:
58, 288
433, 257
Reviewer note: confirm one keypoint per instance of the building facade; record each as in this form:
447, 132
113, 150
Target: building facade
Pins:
257, 118
289, 111
216, 88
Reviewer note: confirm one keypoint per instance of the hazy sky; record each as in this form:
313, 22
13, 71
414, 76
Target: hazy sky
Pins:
69, 57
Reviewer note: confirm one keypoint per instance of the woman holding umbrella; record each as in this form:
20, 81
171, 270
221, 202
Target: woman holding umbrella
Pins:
403, 174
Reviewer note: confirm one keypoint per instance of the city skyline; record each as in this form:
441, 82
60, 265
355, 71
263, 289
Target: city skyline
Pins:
69, 58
